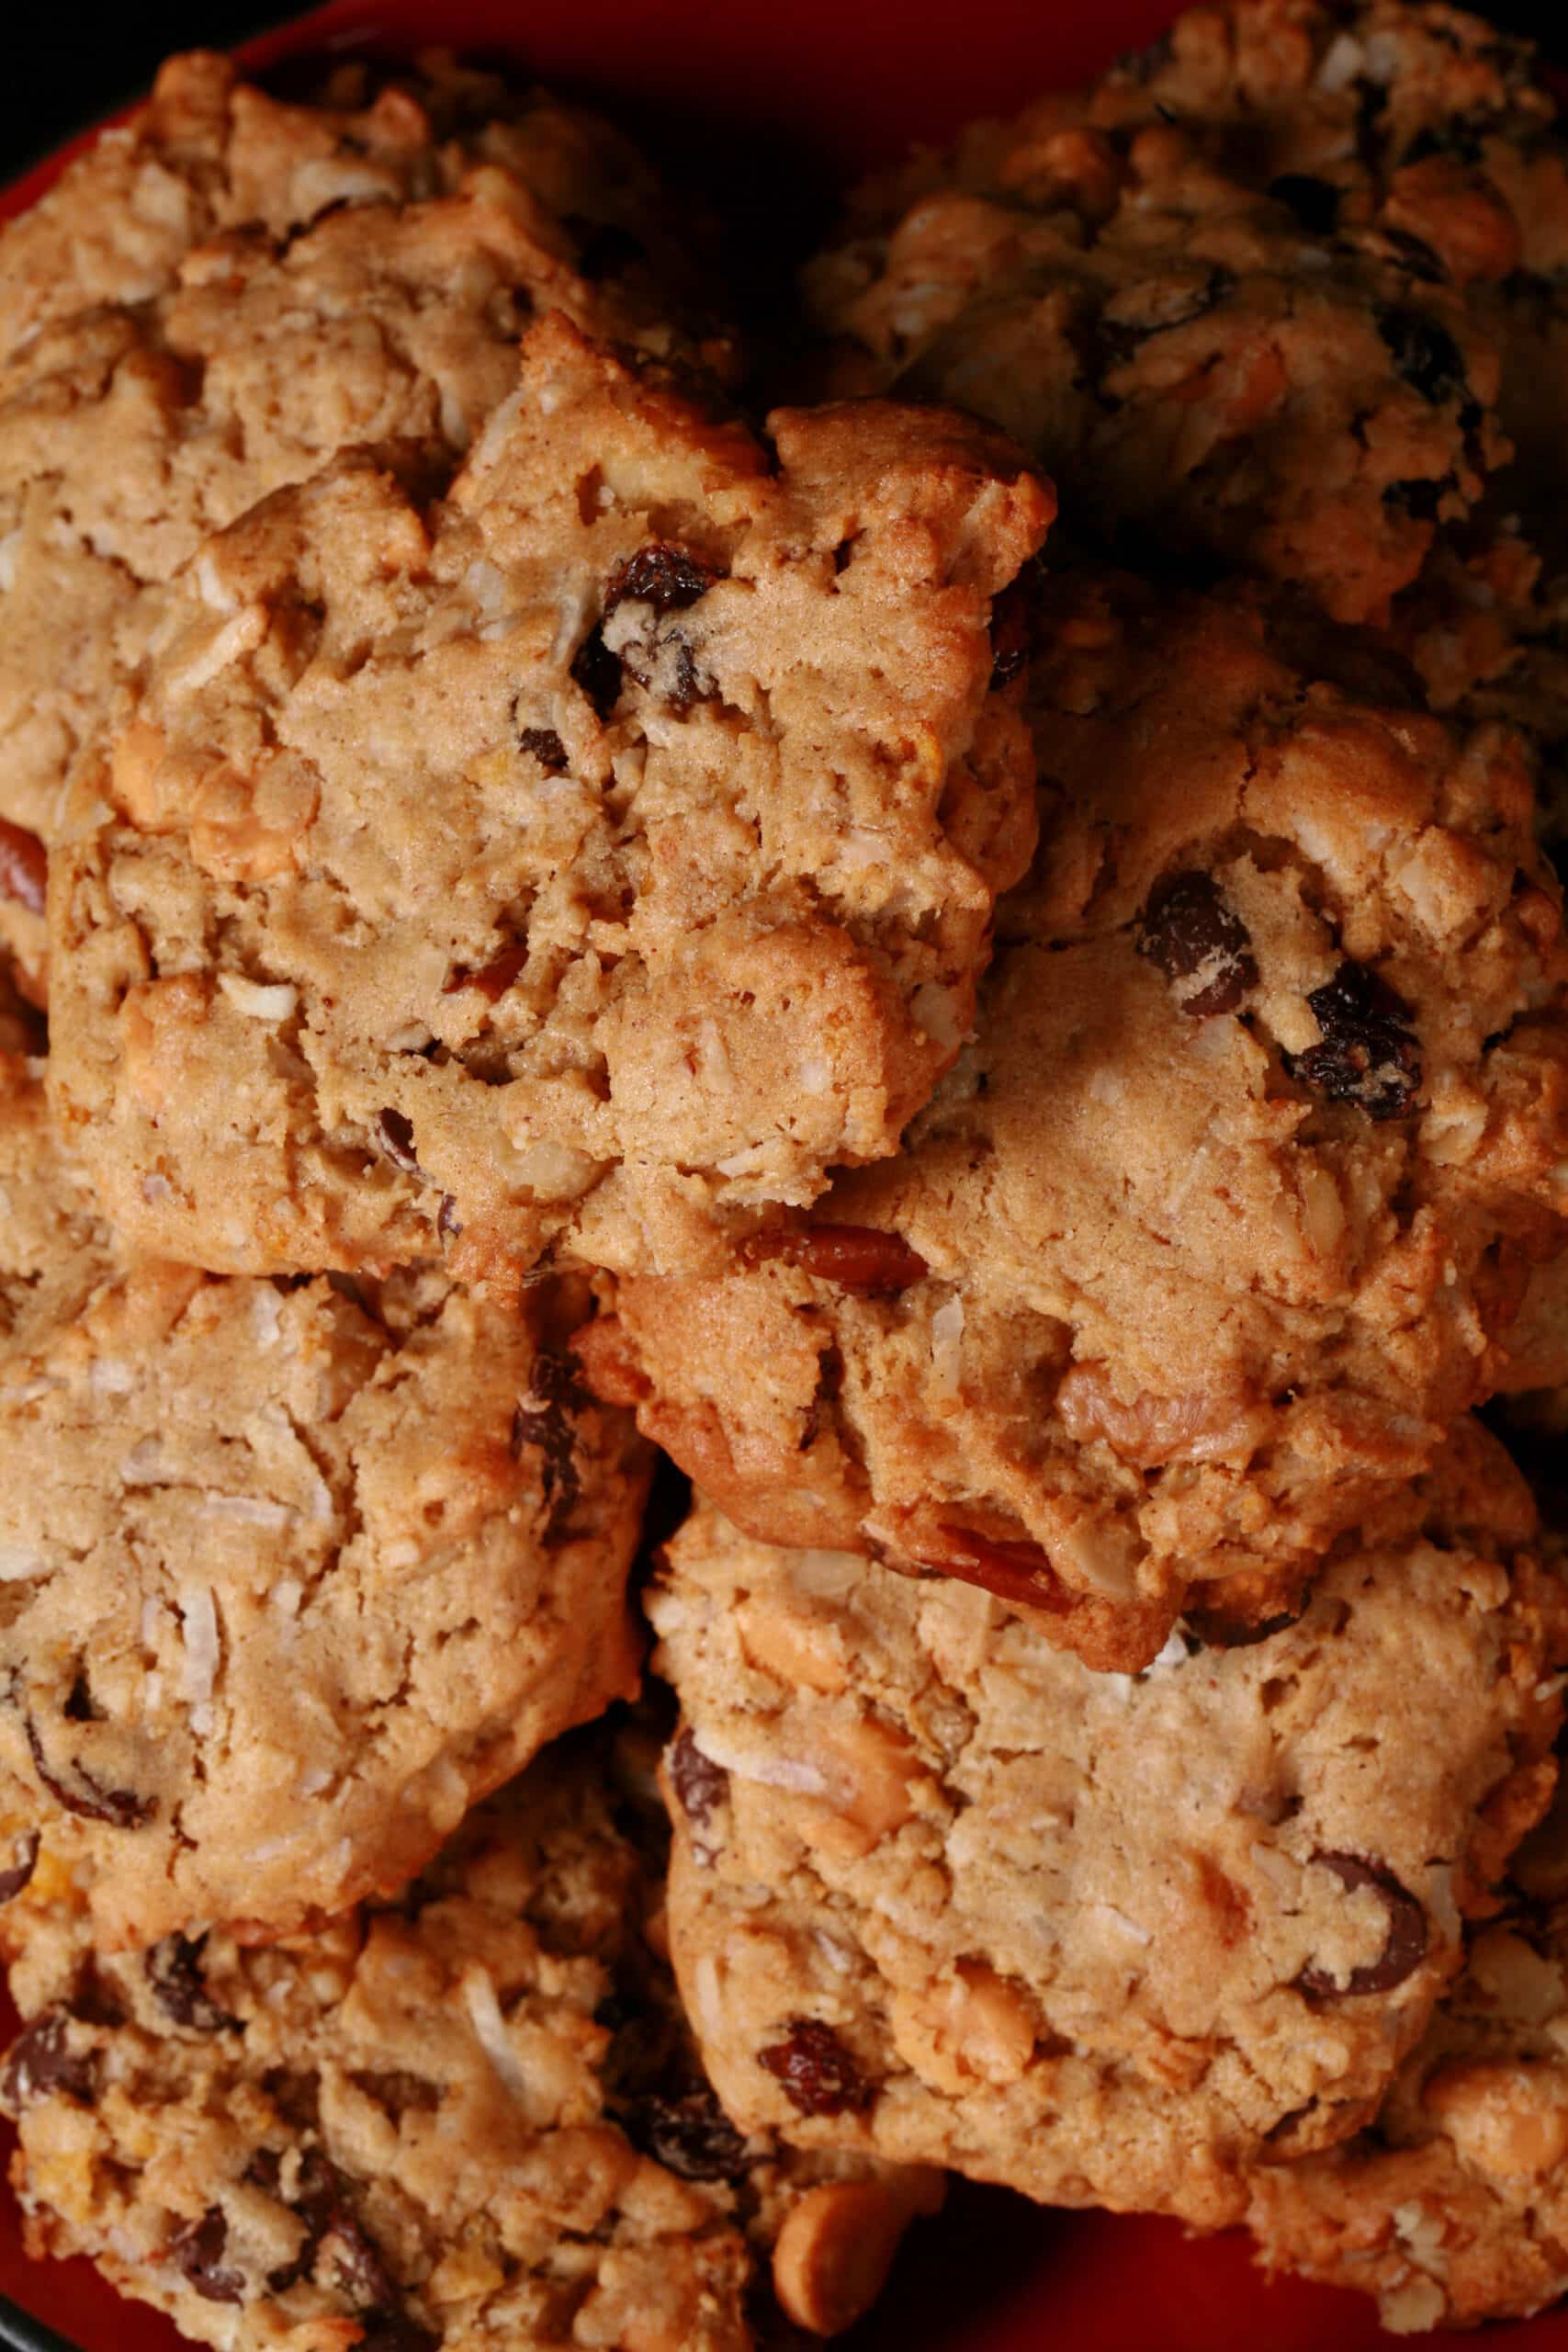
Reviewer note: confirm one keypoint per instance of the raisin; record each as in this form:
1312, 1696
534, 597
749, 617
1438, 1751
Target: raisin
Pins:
604, 248
1202, 948
597, 672
1315, 204
1424, 353
688, 2133
173, 1969
41, 2061
1368, 1055
1406, 1945
544, 1417
24, 1847
89, 1799
667, 577
700, 1784
24, 867
197, 2253
854, 1257
394, 1135
546, 746
817, 2073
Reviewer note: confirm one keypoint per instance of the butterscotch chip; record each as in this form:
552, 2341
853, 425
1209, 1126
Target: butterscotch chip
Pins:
475, 2112
216, 300
591, 860
1199, 350
1126, 1937
295, 1572
1236, 1199
1450, 2207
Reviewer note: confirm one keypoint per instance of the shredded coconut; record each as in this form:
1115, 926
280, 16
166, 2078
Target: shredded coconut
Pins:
484, 2011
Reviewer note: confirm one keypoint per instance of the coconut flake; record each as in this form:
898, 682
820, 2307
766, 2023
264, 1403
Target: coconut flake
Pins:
18, 1562
250, 1510
260, 999
484, 2011
8, 547
1342, 61
947, 1344
200, 1628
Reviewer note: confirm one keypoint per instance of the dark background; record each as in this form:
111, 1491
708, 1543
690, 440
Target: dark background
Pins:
67, 65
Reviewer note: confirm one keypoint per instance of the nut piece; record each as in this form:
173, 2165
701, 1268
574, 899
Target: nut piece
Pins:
1508, 2121
836, 2247
975, 2027
869, 1766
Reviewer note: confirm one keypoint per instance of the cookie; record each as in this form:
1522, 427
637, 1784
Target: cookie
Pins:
1223, 1217
940, 1894
297, 1571
215, 301
1451, 2208
1423, 128
585, 862
472, 2115
1196, 362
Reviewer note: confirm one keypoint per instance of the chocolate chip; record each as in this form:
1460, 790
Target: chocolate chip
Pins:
688, 2134
854, 1257
24, 1847
668, 577
817, 2073
1405, 1946
40, 2062
197, 2253
597, 672
173, 1969
546, 746
1204, 949
700, 1785
24, 867
394, 1136
122, 1808
1368, 1056
546, 1418
1315, 204
604, 247
1424, 353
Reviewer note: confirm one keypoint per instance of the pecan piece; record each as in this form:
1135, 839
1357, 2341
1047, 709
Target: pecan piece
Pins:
854, 1257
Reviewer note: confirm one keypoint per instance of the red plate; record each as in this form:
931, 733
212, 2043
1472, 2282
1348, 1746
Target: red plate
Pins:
845, 83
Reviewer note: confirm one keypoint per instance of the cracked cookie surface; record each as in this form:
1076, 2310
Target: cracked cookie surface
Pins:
586, 863
471, 2117
215, 301
1225, 1213
939, 1892
295, 1572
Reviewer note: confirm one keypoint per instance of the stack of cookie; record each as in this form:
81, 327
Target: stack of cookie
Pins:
577, 915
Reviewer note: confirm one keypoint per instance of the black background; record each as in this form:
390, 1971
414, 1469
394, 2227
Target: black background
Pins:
68, 65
